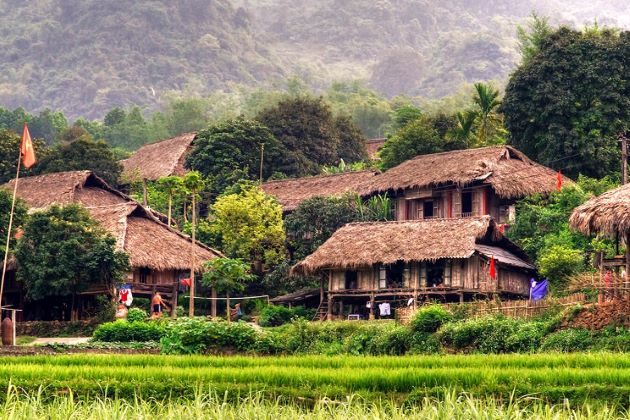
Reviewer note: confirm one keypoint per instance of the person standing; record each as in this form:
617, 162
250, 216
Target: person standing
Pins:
156, 305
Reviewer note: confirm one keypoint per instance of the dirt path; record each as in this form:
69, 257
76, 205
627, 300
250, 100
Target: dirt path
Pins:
59, 340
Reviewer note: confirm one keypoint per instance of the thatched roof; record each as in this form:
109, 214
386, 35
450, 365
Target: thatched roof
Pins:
373, 146
608, 213
296, 296
365, 244
62, 188
291, 192
140, 232
149, 242
510, 173
157, 160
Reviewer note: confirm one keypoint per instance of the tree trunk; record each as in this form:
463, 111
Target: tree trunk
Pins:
229, 317
170, 206
213, 303
191, 309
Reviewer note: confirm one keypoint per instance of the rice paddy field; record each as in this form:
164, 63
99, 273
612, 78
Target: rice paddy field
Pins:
447, 386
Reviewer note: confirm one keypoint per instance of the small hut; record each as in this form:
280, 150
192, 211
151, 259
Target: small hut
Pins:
159, 255
608, 214
445, 259
291, 192
156, 160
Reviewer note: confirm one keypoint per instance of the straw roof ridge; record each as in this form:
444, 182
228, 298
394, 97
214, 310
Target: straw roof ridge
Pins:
608, 213
507, 170
367, 243
156, 160
293, 191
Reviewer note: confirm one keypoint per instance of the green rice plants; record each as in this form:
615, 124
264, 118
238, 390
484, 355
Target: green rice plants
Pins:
429, 319
569, 340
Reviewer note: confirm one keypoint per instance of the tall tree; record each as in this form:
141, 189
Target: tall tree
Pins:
9, 154
487, 102
171, 186
231, 150
567, 105
227, 275
63, 251
80, 152
19, 218
194, 183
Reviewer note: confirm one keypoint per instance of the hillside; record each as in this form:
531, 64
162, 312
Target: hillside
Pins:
88, 57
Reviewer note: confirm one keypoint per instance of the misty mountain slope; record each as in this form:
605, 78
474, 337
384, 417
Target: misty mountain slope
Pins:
84, 58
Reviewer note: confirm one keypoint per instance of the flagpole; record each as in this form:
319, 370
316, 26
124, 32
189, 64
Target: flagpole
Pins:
6, 250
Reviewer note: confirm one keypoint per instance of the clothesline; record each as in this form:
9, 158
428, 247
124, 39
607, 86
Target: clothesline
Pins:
232, 298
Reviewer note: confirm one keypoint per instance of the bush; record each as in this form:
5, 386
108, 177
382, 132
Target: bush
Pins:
612, 339
424, 343
429, 319
137, 314
105, 309
569, 340
197, 335
276, 315
125, 331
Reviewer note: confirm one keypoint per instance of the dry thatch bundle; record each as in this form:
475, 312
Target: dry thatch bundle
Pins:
364, 244
373, 146
157, 160
62, 188
510, 173
291, 192
608, 214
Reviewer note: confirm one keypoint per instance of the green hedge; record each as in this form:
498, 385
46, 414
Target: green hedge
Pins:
124, 331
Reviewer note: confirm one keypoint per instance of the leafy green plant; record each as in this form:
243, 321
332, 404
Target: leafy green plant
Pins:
429, 319
569, 340
125, 331
137, 314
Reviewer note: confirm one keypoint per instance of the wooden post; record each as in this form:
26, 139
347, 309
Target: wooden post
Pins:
227, 308
191, 307
321, 289
329, 309
341, 308
627, 273
213, 303
174, 300
372, 306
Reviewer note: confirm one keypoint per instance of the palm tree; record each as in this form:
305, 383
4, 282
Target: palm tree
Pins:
194, 183
464, 129
171, 185
487, 101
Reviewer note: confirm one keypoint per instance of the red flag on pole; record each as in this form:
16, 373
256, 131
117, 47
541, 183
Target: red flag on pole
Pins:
493, 269
26, 147
559, 181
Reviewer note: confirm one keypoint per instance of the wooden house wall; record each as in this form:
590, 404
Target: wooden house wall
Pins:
155, 277
513, 281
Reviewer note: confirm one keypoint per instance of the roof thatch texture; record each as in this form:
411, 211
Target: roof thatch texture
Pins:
510, 173
62, 188
149, 242
373, 146
291, 192
608, 213
365, 244
157, 160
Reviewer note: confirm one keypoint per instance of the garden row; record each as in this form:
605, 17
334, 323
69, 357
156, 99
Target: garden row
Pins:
432, 331
601, 377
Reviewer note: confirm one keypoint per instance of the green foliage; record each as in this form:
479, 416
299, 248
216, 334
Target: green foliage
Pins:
569, 340
567, 104
234, 147
559, 262
276, 315
81, 153
489, 124
378, 207
315, 220
105, 309
137, 315
429, 319
63, 251
530, 39
127, 331
311, 135
19, 218
226, 275
195, 335
9, 152
248, 225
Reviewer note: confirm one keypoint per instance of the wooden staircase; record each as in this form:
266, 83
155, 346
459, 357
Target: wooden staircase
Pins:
322, 311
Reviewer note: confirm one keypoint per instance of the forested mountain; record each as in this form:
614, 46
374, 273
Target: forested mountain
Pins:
86, 57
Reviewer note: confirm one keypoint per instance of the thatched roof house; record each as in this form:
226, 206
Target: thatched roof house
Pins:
359, 245
373, 146
149, 242
508, 171
291, 192
157, 160
608, 213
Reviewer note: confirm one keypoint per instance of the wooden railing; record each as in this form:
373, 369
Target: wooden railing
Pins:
511, 308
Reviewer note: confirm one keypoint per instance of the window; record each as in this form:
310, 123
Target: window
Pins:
467, 203
427, 209
351, 280
391, 276
435, 274
144, 275
448, 273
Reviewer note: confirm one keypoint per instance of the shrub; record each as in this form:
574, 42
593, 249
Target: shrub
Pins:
137, 314
105, 309
424, 343
125, 331
569, 340
612, 339
276, 315
197, 335
429, 319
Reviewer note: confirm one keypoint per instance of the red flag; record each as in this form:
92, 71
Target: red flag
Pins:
185, 282
559, 181
493, 269
26, 149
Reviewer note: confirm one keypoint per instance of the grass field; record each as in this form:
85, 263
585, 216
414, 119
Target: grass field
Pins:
599, 378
